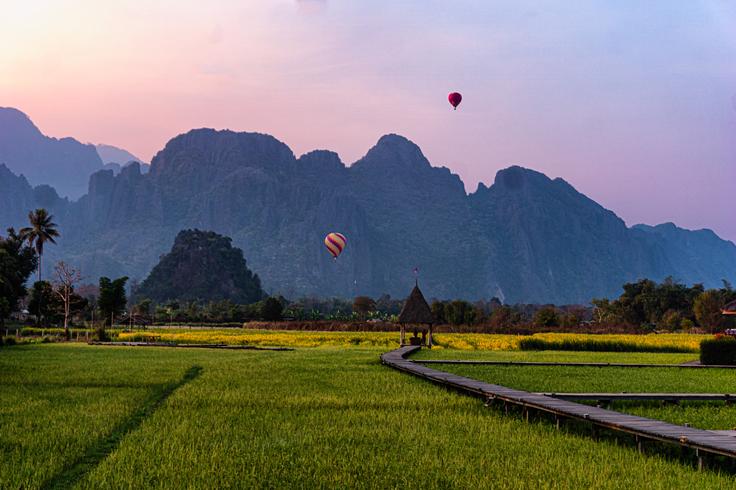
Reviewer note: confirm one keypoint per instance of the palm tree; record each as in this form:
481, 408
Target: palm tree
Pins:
42, 230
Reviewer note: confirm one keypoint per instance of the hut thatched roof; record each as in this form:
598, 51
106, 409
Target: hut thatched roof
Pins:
730, 308
416, 309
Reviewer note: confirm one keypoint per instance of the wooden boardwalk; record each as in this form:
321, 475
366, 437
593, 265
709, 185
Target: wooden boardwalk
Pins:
702, 441
666, 397
574, 364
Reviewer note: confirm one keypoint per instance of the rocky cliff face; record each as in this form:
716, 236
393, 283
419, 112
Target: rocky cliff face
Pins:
698, 254
17, 198
526, 238
546, 240
64, 163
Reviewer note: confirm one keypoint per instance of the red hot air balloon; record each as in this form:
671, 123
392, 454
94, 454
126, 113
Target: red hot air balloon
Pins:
335, 243
455, 98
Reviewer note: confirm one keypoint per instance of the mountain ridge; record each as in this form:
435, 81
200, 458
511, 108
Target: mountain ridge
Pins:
64, 163
526, 237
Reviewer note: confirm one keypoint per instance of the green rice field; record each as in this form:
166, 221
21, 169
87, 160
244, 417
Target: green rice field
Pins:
79, 416
576, 379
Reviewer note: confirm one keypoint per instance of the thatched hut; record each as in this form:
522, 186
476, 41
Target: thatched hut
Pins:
730, 308
416, 313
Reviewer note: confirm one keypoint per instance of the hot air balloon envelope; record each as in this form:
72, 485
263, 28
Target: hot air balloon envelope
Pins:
455, 98
335, 243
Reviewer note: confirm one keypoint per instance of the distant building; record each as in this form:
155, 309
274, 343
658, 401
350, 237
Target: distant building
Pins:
730, 308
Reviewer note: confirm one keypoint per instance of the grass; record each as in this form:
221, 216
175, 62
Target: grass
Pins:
557, 356
325, 417
57, 403
562, 379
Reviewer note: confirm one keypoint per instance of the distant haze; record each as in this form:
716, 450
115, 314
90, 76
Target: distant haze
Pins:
113, 154
631, 102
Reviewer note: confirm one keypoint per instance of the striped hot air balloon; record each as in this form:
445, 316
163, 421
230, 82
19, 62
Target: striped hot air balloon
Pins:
335, 243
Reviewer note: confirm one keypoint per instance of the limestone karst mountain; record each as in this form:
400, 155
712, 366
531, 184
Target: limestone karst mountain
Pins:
64, 163
526, 238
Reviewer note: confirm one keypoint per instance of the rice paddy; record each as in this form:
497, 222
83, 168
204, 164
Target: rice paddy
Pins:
325, 415
331, 415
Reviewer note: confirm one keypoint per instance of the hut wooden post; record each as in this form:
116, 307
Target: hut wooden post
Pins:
430, 336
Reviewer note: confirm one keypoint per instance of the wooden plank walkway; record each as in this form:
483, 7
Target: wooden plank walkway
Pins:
574, 364
668, 397
702, 441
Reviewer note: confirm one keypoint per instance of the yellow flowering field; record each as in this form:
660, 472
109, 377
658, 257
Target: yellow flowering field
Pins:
269, 338
459, 341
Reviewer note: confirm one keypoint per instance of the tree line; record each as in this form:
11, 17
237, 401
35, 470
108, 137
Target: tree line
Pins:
55, 301
644, 304
668, 305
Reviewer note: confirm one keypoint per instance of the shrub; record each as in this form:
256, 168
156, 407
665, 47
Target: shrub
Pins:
720, 350
546, 317
593, 345
271, 309
7, 341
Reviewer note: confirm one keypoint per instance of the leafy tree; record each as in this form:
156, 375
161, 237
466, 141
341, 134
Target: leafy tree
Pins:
112, 299
671, 320
459, 312
362, 305
202, 266
504, 316
388, 305
646, 303
438, 312
42, 230
17, 263
143, 307
193, 312
707, 308
271, 309
569, 319
160, 312
546, 317
639, 302
606, 312
5, 311
44, 303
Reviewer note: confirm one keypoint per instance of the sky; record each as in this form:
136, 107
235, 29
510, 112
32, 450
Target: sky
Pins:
633, 103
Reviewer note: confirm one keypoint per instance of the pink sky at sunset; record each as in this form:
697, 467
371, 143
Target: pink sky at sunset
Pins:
632, 104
